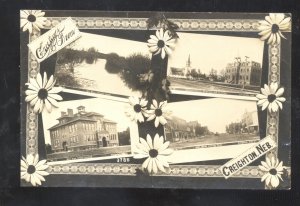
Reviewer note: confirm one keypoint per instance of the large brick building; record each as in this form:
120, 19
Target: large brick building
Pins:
243, 73
250, 122
83, 131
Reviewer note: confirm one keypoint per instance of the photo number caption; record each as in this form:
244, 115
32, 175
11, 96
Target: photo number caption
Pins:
123, 159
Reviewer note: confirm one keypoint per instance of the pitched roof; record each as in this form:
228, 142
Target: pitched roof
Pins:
74, 120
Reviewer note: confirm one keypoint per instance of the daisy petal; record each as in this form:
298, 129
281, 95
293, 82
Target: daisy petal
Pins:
261, 102
273, 88
145, 144
164, 146
49, 83
146, 163
48, 105
151, 117
55, 96
55, 90
163, 54
278, 18
264, 177
156, 122
274, 181
42, 173
156, 142
279, 104
36, 159
274, 106
265, 105
166, 152
154, 166
263, 168
159, 165
163, 160
36, 178
162, 120
30, 159
39, 80
53, 102
150, 165
154, 38
149, 141
279, 92
30, 97
281, 99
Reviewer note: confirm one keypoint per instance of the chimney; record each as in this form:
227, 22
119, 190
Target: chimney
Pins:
63, 114
81, 109
70, 112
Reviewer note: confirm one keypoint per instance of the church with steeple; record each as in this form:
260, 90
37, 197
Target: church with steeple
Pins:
188, 67
182, 72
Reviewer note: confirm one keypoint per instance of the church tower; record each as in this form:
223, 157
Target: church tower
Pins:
187, 66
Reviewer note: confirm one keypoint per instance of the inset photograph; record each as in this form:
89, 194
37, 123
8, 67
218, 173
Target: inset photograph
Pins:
217, 66
88, 129
211, 129
103, 65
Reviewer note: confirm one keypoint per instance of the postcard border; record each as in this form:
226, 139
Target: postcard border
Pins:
244, 25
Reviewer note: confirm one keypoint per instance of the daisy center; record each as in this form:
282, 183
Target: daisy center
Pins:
31, 18
137, 108
275, 28
158, 112
160, 43
271, 97
31, 169
43, 93
153, 153
273, 171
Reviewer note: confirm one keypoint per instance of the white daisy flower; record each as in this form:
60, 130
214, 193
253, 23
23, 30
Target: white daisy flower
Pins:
32, 19
136, 109
161, 43
271, 97
158, 112
33, 170
42, 92
156, 152
273, 169
272, 27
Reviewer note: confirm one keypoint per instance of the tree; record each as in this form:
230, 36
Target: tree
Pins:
194, 73
222, 75
49, 149
124, 137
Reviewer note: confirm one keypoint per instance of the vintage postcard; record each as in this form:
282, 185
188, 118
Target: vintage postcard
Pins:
155, 99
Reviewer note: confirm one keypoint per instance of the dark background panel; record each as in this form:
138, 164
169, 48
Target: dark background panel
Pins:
11, 194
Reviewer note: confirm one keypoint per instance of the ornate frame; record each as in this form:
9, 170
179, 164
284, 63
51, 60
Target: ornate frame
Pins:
225, 25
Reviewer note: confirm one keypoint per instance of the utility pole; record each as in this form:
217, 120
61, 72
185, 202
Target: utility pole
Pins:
238, 61
246, 63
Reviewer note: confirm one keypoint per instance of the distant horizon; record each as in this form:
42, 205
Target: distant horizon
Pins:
208, 70
214, 51
205, 111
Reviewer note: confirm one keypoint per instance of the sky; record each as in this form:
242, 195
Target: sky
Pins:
213, 51
215, 113
106, 82
112, 110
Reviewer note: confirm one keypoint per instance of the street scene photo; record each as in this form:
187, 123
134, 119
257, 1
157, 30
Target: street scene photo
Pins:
212, 122
86, 129
216, 65
102, 64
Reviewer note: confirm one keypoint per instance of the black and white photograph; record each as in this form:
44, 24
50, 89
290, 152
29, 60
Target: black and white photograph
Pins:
101, 64
88, 129
201, 130
212, 65
155, 99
